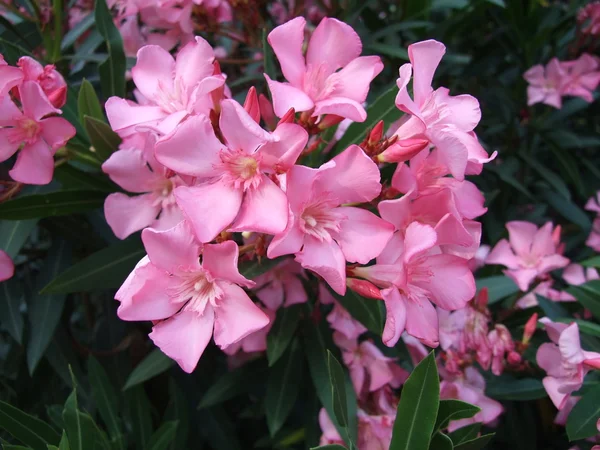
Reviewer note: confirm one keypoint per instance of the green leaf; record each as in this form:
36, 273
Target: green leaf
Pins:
138, 409
60, 203
366, 310
465, 434
440, 441
18, 447
454, 410
218, 429
329, 447
14, 233
281, 334
588, 295
11, 299
509, 388
104, 140
567, 209
499, 287
477, 443
27, 429
418, 407
552, 178
231, 384
383, 108
393, 51
268, 64
162, 437
283, 385
254, 268
112, 71
88, 103
592, 262
77, 31
106, 399
338, 391
45, 310
551, 309
64, 442
71, 177
105, 269
178, 410
582, 420
72, 420
153, 365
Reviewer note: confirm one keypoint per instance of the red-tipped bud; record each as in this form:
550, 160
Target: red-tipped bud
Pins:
556, 235
364, 288
530, 328
218, 94
481, 299
266, 111
514, 358
594, 363
288, 117
329, 120
403, 150
251, 104
376, 133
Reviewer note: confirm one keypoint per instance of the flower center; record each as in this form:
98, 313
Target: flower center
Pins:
26, 130
171, 98
196, 290
163, 193
318, 82
320, 218
241, 169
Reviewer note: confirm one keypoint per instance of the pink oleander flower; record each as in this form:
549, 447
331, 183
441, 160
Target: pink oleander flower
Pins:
136, 171
7, 267
32, 132
330, 434
529, 252
321, 232
9, 77
173, 88
375, 432
588, 18
313, 81
581, 77
564, 361
545, 289
501, 345
50, 80
576, 274
281, 286
343, 323
255, 342
234, 189
413, 273
445, 121
470, 387
188, 299
451, 327
369, 368
545, 84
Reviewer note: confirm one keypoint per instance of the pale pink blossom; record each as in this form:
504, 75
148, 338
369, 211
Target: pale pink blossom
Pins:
321, 232
470, 387
234, 189
330, 434
36, 133
445, 121
7, 267
50, 80
576, 274
344, 324
545, 84
313, 81
588, 18
545, 289
10, 77
188, 299
282, 285
582, 76
375, 431
593, 240
501, 344
255, 342
136, 171
564, 361
413, 273
529, 252
172, 87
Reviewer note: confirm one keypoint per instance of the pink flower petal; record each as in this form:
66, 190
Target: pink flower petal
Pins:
57, 131
286, 96
287, 41
395, 321
7, 148
194, 62
9, 78
174, 249
288, 242
129, 169
154, 68
520, 235
502, 254
281, 155
35, 164
8, 112
124, 115
418, 238
239, 129
35, 103
341, 106
451, 284
7, 267
125, 215
332, 45
221, 261
354, 80
425, 56
327, 260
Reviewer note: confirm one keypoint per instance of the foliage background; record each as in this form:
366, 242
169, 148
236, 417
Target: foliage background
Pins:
69, 333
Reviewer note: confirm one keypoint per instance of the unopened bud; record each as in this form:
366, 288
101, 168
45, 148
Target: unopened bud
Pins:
251, 104
514, 358
530, 328
481, 299
364, 288
288, 117
403, 150
329, 120
266, 111
556, 235
376, 134
218, 94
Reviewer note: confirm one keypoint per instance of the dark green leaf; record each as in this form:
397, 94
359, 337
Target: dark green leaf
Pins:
588, 295
179, 411
281, 334
329, 447
105, 269
64, 442
499, 287
383, 108
112, 71
393, 51
59, 203
440, 441
14, 233
551, 309
106, 399
465, 434
45, 309
230, 384
27, 429
567, 209
138, 409
476, 444
592, 262
162, 437
88, 103
338, 391
366, 310
77, 31
252, 269
153, 365
104, 140
283, 385
509, 388
548, 175
11, 299
582, 420
454, 410
218, 429
71, 177
418, 407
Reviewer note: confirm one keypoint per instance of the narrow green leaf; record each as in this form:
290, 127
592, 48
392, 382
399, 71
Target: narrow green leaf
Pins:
567, 209
153, 365
27, 429
104, 140
366, 310
88, 103
18, 447
338, 391
383, 108
465, 434
218, 429
393, 51
106, 399
440, 441
45, 310
11, 299
179, 410
64, 442
329, 447
582, 420
112, 71
509, 388
588, 294
231, 384
72, 420
59, 203
454, 410
268, 64
71, 177
499, 287
477, 443
592, 262
105, 269
14, 233
283, 385
162, 438
552, 178
418, 407
281, 334
77, 31
252, 269
138, 409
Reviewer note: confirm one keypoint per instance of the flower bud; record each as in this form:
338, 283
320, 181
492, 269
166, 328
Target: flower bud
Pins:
288, 117
251, 105
403, 150
364, 288
530, 328
376, 134
514, 358
266, 111
329, 120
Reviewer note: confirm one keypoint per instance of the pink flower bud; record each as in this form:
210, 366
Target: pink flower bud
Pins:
530, 328
376, 133
266, 111
251, 105
364, 288
514, 358
403, 150
481, 299
288, 117
329, 120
